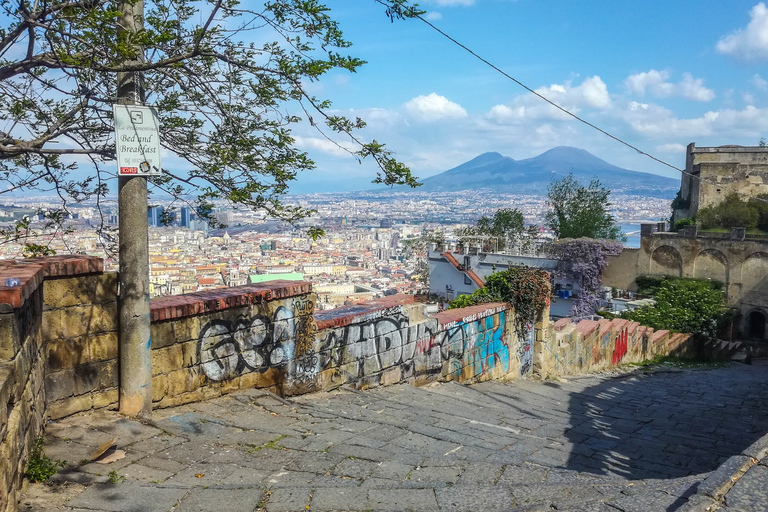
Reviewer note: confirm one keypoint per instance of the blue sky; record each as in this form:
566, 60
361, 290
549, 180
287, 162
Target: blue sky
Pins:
658, 74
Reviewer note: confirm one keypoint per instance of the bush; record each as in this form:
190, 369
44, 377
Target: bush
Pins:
732, 212
524, 288
684, 305
684, 222
760, 203
39, 467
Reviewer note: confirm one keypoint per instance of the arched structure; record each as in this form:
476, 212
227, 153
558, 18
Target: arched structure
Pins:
666, 260
711, 264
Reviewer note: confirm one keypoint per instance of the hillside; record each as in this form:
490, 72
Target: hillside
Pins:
532, 175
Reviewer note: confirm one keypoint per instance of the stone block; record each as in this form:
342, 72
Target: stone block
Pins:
103, 347
70, 291
230, 385
391, 376
189, 353
105, 398
66, 353
106, 287
166, 360
60, 384
162, 334
69, 406
184, 380
9, 336
159, 387
187, 329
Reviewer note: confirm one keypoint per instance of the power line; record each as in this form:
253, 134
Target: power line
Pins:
568, 112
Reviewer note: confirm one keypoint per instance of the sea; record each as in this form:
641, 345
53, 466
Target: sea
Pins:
633, 234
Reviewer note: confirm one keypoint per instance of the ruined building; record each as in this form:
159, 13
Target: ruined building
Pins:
737, 259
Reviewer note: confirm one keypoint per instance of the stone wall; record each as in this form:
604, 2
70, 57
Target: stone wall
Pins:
23, 362
741, 265
592, 345
79, 331
622, 270
208, 343
59, 347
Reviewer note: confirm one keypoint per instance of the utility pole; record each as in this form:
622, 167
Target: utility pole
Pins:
133, 303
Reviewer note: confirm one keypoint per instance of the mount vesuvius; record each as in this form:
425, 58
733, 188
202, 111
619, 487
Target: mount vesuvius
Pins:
532, 175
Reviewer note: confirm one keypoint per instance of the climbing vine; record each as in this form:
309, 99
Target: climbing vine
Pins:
588, 258
524, 288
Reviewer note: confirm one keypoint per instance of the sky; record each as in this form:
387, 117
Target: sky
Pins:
658, 75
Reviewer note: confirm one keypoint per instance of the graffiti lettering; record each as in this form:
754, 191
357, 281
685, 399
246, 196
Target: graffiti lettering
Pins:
620, 347
227, 349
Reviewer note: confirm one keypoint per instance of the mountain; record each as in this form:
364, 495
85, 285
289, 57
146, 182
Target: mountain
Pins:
533, 175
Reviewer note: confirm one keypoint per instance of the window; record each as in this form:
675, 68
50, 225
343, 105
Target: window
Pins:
467, 279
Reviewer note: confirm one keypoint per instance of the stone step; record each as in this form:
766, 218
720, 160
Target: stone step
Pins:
742, 356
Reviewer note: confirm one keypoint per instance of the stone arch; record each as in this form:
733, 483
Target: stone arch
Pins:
754, 279
755, 323
666, 260
755, 266
711, 264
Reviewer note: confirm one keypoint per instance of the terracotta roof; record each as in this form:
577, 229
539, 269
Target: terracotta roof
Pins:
453, 261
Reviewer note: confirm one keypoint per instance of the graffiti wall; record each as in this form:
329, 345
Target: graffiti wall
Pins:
283, 345
594, 345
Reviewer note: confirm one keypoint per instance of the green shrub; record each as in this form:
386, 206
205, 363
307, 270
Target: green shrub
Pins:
684, 305
732, 212
684, 222
39, 467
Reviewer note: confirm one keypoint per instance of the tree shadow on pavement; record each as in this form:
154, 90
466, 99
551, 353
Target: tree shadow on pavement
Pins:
667, 424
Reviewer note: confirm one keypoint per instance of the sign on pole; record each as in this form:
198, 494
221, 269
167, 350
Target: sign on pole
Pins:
137, 140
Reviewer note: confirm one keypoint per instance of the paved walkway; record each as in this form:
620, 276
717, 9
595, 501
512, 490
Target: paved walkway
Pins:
642, 441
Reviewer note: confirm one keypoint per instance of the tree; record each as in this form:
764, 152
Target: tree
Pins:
576, 211
733, 212
684, 305
226, 106
588, 258
505, 229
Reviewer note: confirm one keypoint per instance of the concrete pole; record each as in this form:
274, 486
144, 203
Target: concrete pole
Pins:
133, 305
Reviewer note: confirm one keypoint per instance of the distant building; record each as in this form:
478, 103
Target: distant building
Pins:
186, 217
155, 216
452, 274
736, 259
711, 173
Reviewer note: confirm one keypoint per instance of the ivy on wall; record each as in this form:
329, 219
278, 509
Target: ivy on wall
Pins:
525, 289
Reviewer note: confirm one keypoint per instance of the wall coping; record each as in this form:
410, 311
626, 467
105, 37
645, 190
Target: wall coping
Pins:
447, 319
347, 315
196, 303
31, 272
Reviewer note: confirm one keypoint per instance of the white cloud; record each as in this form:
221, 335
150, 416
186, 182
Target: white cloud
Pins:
728, 124
595, 92
591, 93
760, 82
693, 89
657, 84
434, 107
748, 44
324, 145
671, 148
433, 16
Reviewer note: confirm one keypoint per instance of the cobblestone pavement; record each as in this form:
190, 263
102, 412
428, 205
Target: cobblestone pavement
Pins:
642, 441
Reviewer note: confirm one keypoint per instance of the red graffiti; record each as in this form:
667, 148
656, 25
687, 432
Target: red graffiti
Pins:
424, 345
620, 347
